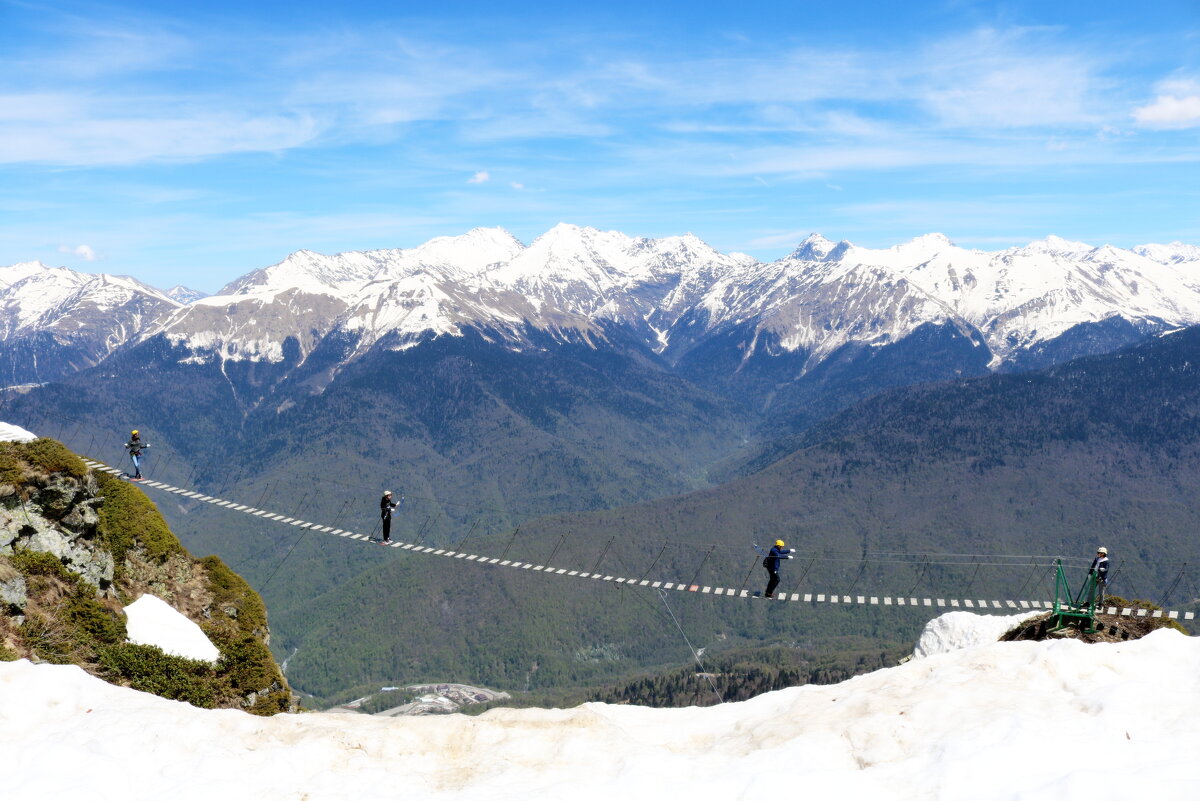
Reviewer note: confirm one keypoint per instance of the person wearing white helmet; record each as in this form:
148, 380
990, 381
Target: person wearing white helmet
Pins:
1099, 569
386, 505
771, 563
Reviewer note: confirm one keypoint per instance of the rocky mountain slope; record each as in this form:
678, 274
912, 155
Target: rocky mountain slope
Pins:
76, 547
55, 322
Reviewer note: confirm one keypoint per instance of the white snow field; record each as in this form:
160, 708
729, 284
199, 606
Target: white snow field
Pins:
12, 433
1060, 721
152, 621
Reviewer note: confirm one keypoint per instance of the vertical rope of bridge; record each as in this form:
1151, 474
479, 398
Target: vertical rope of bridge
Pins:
807, 568
596, 568
510, 542
655, 562
749, 573
702, 561
920, 575
1029, 578
971, 583
462, 546
556, 547
1174, 584
862, 568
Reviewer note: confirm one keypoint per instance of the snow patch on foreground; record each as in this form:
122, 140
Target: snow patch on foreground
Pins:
955, 630
12, 433
152, 621
986, 723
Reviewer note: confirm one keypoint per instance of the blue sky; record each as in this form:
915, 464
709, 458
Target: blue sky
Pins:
192, 145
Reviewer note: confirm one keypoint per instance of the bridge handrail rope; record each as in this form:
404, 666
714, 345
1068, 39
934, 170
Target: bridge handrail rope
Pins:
988, 605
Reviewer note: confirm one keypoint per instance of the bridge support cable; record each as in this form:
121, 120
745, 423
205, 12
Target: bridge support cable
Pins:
1166, 595
695, 654
934, 605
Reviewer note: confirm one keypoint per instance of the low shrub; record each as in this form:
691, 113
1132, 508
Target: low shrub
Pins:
41, 563
152, 670
231, 590
94, 624
128, 518
246, 663
48, 638
42, 455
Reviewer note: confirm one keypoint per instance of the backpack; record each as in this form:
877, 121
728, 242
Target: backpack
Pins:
767, 563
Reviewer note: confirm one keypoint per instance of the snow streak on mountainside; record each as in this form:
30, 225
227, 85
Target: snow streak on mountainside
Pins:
576, 284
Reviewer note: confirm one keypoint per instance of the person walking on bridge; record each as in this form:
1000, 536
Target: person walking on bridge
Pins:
135, 447
386, 505
1099, 569
771, 563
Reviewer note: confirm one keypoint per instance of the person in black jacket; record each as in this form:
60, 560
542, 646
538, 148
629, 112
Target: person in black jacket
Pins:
135, 446
386, 505
1099, 569
771, 563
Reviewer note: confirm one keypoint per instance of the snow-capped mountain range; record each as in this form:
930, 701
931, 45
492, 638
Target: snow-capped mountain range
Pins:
577, 284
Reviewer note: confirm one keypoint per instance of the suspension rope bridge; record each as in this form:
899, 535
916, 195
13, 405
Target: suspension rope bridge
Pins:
839, 598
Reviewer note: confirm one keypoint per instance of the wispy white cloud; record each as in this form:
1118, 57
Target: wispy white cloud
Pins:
480, 177
960, 92
83, 251
94, 137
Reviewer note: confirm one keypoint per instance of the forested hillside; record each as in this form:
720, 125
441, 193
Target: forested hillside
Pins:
1006, 471
484, 442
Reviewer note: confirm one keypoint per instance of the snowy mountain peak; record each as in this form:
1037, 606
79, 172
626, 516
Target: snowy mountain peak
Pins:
15, 273
927, 242
456, 256
814, 248
1055, 245
185, 295
1173, 253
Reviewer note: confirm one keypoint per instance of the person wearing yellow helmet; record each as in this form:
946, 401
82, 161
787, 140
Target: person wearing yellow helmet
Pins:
771, 563
135, 446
